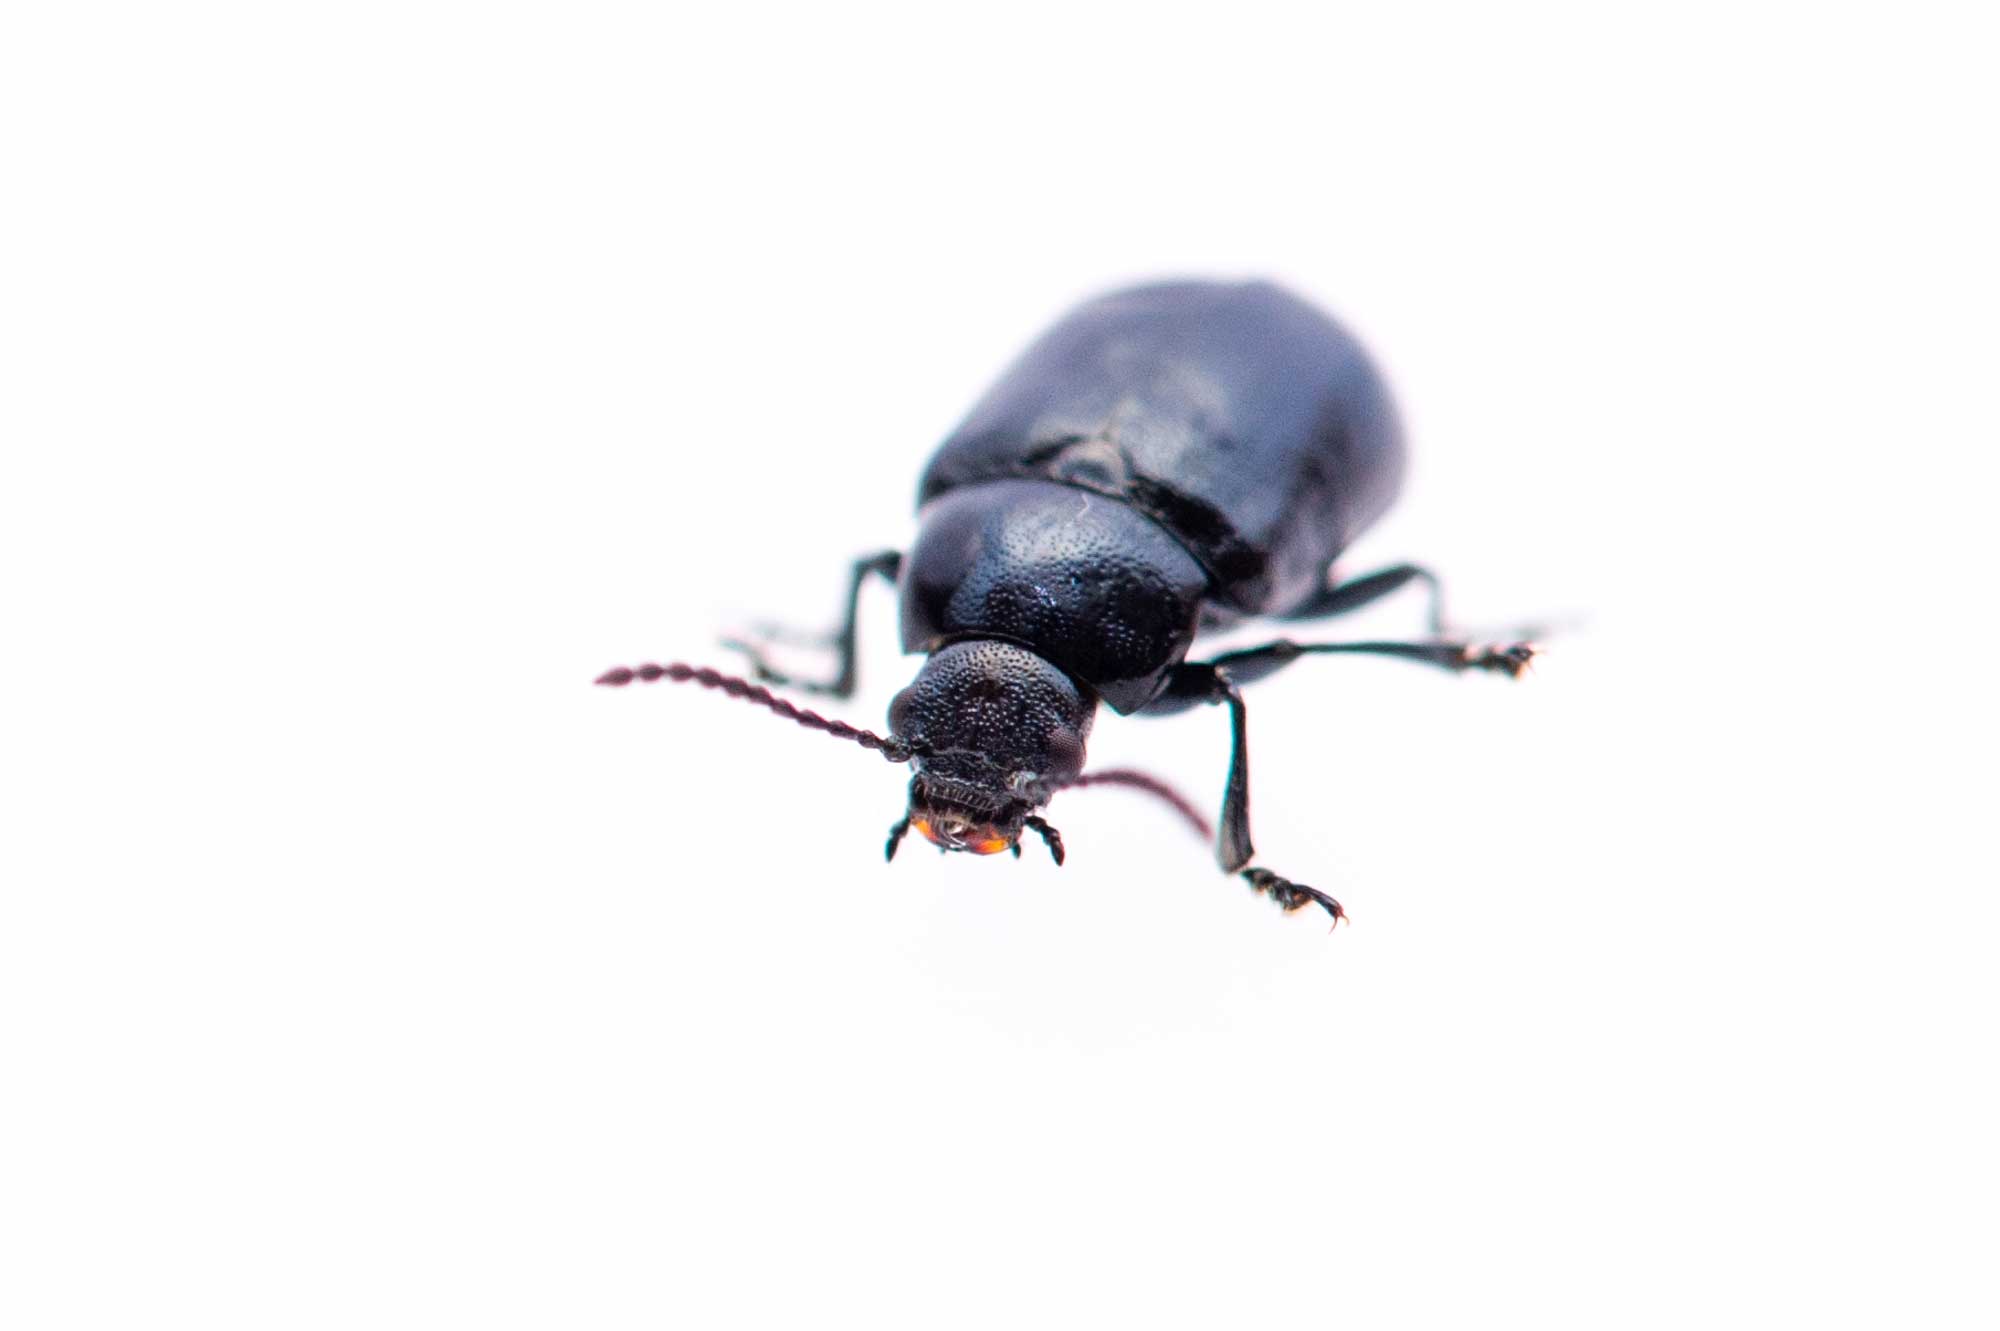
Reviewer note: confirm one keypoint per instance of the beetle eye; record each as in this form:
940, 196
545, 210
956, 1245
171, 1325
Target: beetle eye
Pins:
1065, 749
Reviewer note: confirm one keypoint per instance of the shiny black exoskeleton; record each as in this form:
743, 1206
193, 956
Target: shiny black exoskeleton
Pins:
1166, 460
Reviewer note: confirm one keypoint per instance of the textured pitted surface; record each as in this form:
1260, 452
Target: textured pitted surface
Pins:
1089, 583
1243, 420
992, 724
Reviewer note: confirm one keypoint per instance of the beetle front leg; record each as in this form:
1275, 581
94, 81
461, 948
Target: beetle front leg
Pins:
1209, 682
1290, 895
1340, 598
1221, 681
887, 564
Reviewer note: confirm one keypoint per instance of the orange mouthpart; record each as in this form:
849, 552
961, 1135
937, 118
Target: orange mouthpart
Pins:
954, 835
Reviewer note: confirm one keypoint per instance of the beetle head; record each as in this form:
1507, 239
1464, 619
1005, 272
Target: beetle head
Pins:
996, 731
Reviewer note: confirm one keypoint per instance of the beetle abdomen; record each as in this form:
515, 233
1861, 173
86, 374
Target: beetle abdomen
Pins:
1241, 419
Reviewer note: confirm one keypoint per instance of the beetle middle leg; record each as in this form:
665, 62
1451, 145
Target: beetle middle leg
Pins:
886, 564
1254, 663
1353, 593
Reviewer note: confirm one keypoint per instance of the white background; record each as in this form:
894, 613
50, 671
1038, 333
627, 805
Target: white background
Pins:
377, 374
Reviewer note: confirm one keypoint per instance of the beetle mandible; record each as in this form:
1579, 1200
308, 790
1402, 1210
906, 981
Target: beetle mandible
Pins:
1166, 461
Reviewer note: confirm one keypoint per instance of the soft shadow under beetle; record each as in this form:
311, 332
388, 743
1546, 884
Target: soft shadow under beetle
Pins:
1166, 461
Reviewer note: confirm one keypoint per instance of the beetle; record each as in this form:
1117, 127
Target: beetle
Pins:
1167, 461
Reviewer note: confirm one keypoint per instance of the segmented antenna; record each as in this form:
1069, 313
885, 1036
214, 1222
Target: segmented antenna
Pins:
895, 750
1152, 785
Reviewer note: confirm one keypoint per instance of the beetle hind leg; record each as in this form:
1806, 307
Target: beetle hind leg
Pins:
886, 564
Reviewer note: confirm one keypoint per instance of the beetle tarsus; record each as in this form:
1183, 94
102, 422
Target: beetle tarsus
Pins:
1290, 895
1511, 659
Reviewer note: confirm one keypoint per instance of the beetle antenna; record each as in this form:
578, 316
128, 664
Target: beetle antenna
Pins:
1152, 785
895, 750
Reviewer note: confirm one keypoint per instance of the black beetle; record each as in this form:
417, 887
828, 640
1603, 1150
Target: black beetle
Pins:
1166, 461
